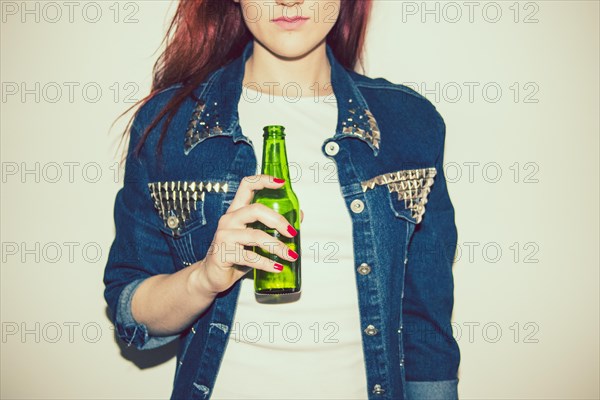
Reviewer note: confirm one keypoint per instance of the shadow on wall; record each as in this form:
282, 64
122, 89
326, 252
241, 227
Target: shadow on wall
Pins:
146, 358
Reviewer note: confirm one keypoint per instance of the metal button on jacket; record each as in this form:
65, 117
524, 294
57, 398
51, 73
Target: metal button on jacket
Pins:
364, 269
371, 330
173, 222
332, 148
357, 206
377, 389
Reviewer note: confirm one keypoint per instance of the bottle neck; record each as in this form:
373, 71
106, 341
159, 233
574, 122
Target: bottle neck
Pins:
274, 160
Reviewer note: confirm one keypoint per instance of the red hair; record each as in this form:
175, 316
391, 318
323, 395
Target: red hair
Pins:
204, 35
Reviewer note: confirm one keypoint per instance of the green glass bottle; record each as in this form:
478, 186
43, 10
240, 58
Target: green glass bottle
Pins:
285, 202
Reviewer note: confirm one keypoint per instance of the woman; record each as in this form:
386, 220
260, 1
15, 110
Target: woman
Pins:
373, 318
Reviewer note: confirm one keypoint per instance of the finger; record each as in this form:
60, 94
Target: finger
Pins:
257, 212
256, 237
248, 185
256, 261
249, 237
301, 215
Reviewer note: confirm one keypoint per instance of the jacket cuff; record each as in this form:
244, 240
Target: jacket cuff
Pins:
432, 390
128, 329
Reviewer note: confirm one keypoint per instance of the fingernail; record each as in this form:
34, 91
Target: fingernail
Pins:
278, 180
291, 230
278, 266
292, 254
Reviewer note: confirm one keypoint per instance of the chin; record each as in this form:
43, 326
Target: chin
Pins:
291, 47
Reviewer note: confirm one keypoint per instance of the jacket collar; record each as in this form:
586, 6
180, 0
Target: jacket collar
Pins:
216, 111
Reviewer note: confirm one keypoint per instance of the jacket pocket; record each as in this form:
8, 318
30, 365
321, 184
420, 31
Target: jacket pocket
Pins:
408, 190
182, 247
181, 208
405, 216
406, 195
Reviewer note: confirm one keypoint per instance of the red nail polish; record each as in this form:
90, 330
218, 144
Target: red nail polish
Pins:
278, 266
293, 254
291, 230
278, 180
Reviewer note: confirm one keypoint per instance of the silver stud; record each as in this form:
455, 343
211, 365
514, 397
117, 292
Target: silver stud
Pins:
364, 269
173, 222
377, 389
371, 330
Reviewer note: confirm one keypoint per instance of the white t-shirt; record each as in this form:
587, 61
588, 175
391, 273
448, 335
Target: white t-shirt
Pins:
311, 348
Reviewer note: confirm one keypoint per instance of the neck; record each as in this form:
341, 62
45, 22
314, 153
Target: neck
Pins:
269, 73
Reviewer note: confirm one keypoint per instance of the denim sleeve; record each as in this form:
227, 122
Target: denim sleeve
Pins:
435, 390
138, 251
432, 354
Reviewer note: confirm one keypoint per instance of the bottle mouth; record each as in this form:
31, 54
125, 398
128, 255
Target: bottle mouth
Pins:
274, 131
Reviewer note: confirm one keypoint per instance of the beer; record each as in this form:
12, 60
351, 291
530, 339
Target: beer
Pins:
285, 202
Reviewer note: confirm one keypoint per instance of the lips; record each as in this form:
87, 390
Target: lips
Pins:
292, 19
290, 24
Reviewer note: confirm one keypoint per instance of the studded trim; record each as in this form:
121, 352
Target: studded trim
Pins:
412, 185
202, 125
175, 200
362, 123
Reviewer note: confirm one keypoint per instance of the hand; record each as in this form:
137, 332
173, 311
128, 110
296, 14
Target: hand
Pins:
227, 259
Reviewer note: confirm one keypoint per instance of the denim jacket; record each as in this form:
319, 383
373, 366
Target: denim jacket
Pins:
388, 148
